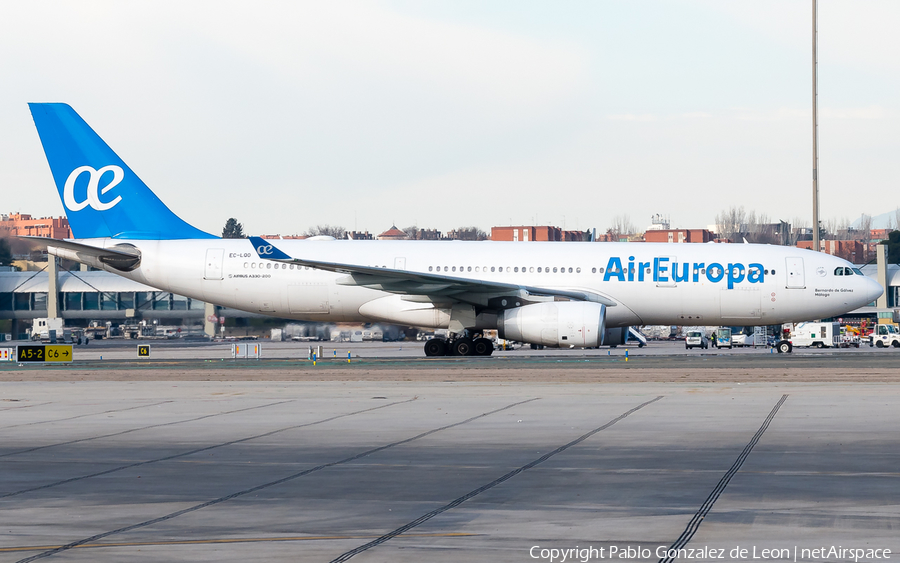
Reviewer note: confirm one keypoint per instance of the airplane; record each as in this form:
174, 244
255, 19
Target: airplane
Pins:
553, 294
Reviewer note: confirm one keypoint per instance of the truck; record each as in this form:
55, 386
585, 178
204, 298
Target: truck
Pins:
722, 338
47, 329
884, 335
816, 335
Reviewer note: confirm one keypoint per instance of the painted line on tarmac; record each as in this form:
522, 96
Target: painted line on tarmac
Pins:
454, 503
26, 406
230, 540
36, 448
198, 450
707, 505
84, 415
291, 477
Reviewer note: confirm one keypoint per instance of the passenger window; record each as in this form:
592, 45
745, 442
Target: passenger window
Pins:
577, 270
492, 268
517, 269
600, 270
539, 269
570, 270
554, 270
476, 268
531, 269
454, 268
593, 270
430, 268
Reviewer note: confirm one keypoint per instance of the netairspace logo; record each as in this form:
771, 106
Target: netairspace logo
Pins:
796, 553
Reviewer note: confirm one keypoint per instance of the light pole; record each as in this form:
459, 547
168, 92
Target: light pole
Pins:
815, 112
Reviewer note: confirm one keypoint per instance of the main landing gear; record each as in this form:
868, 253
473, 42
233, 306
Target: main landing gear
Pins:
464, 346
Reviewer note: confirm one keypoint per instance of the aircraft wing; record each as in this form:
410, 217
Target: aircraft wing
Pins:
121, 257
424, 284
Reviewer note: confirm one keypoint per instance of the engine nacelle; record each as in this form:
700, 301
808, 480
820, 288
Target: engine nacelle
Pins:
555, 324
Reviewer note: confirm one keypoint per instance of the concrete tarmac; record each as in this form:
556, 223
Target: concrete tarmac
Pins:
430, 470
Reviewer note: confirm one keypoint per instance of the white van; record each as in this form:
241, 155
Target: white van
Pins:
696, 339
817, 335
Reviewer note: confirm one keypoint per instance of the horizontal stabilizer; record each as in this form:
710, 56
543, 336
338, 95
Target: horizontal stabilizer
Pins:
122, 257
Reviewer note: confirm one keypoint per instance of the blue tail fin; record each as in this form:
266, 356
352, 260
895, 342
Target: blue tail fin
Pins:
102, 196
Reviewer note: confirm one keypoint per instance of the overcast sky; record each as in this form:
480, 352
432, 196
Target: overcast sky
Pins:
443, 114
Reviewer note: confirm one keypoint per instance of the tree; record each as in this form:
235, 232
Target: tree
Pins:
337, 232
893, 244
233, 229
6, 257
468, 233
622, 226
731, 222
864, 233
412, 232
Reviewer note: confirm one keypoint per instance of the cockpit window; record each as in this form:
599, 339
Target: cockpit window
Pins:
839, 271
858, 272
848, 272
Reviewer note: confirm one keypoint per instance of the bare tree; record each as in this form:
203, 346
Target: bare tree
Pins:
896, 224
864, 233
412, 232
468, 233
622, 225
327, 230
731, 222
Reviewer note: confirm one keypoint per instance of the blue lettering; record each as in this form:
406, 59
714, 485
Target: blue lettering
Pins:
715, 272
685, 269
697, 268
755, 274
660, 271
614, 269
642, 267
735, 274
631, 268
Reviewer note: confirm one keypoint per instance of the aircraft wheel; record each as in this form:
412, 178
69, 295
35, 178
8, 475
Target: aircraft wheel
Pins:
784, 347
879, 344
483, 347
435, 347
463, 347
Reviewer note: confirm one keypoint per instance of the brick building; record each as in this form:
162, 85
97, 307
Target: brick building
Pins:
679, 235
853, 251
20, 224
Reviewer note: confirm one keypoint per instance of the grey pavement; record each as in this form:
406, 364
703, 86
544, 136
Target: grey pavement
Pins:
311, 471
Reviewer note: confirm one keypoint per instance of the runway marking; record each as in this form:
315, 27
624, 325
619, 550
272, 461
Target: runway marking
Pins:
198, 450
291, 477
229, 540
454, 503
84, 415
25, 406
36, 448
707, 505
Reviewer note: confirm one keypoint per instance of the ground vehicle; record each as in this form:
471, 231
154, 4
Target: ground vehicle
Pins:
695, 339
723, 338
741, 339
884, 335
817, 335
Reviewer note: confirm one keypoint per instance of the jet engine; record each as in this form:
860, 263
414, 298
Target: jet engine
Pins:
556, 324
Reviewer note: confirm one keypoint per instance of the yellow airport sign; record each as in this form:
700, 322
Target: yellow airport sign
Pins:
44, 353
143, 351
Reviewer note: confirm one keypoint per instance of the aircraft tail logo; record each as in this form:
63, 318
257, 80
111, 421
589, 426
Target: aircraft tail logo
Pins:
103, 197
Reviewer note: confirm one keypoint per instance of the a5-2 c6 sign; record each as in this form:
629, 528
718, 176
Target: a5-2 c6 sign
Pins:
44, 353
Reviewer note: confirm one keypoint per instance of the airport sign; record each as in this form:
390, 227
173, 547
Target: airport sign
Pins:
44, 353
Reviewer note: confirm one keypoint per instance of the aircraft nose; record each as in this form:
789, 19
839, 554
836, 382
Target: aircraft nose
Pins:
873, 290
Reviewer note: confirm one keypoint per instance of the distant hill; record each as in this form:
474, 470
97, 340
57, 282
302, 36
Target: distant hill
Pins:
883, 221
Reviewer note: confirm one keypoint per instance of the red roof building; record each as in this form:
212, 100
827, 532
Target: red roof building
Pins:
19, 224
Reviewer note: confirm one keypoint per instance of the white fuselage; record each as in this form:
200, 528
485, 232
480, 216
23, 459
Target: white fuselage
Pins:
757, 284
